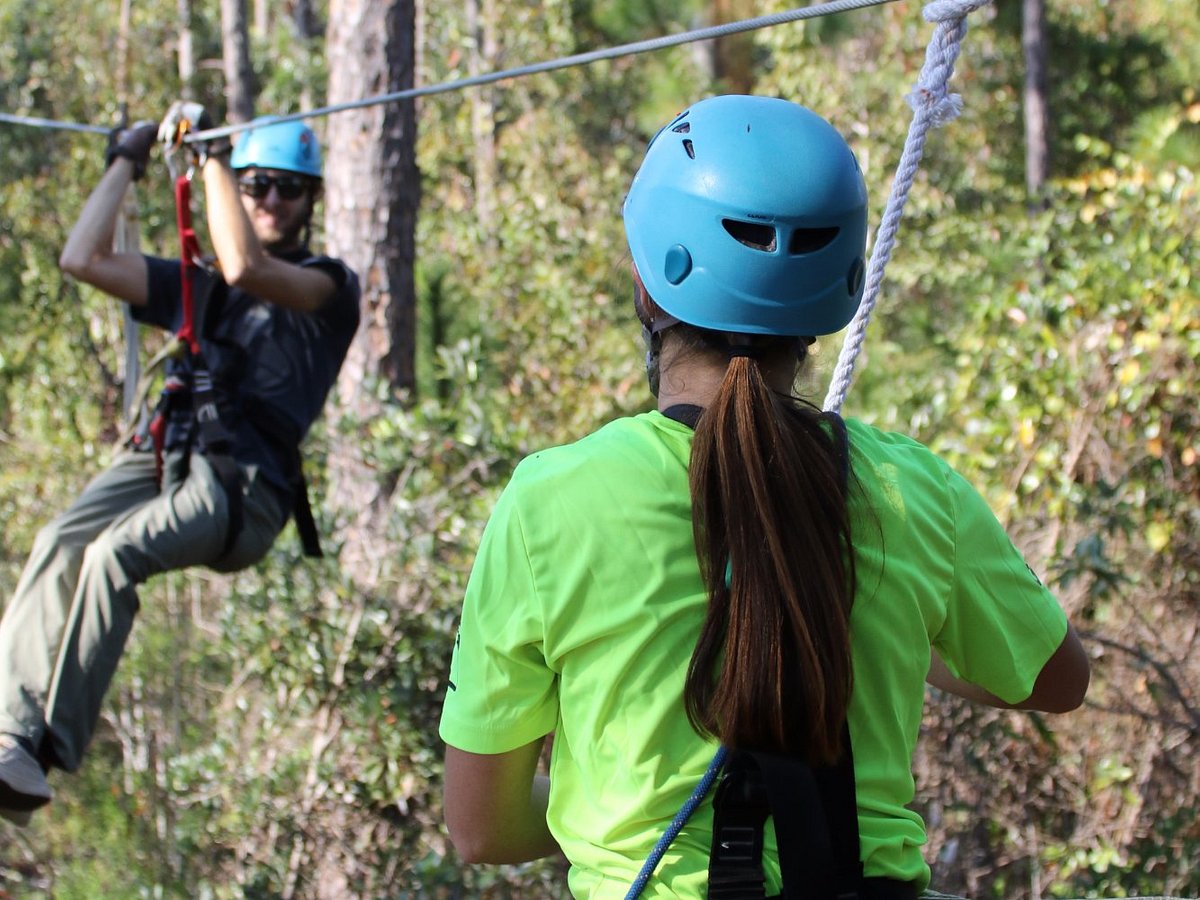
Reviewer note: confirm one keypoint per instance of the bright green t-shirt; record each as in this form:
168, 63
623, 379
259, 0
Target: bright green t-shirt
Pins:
585, 602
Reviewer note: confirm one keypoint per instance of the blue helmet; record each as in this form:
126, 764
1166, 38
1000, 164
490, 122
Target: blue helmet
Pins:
749, 214
288, 146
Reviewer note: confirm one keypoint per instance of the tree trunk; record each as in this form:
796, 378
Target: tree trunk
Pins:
307, 26
372, 186
372, 191
122, 75
262, 17
239, 75
733, 55
186, 52
125, 238
304, 17
481, 25
1037, 113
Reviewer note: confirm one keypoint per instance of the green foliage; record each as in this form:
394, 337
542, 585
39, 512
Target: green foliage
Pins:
1061, 388
291, 72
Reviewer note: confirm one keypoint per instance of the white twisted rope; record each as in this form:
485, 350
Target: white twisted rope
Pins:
932, 106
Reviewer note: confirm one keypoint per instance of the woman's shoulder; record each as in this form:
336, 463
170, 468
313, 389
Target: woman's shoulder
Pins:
627, 442
624, 439
867, 442
896, 467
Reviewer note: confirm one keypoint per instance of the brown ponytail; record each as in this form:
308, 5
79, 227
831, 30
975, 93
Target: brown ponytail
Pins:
771, 670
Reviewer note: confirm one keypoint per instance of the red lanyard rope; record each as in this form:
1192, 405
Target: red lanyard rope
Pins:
189, 251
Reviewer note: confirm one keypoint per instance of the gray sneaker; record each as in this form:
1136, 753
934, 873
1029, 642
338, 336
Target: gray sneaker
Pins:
23, 785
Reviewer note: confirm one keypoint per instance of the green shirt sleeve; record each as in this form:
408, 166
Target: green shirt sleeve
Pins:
501, 693
1001, 623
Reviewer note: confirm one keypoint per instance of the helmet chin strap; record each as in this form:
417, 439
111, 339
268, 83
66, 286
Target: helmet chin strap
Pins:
653, 343
651, 339
652, 329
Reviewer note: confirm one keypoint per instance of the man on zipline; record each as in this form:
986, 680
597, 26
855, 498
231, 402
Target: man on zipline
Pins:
272, 324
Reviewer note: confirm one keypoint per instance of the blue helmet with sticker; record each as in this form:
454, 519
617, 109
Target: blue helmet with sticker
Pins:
270, 144
749, 214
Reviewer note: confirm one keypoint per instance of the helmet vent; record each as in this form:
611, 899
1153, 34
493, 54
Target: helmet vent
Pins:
683, 128
689, 149
751, 234
810, 240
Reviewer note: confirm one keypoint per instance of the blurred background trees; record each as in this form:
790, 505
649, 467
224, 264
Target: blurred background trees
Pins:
274, 733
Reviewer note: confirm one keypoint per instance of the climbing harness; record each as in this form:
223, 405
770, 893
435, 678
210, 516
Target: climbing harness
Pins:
216, 443
815, 817
192, 388
183, 342
737, 837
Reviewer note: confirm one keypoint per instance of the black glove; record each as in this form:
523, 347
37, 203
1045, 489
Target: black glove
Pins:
132, 143
186, 117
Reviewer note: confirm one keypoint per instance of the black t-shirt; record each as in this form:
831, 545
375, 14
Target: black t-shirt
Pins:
261, 356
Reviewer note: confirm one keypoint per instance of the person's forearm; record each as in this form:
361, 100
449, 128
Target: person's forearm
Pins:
92, 235
237, 247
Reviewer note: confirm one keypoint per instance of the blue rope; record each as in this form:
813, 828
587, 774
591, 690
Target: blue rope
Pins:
681, 817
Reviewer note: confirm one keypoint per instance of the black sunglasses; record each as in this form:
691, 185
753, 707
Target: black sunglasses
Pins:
290, 187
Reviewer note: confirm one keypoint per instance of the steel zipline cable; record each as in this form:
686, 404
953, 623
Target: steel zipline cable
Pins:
51, 123
931, 103
579, 59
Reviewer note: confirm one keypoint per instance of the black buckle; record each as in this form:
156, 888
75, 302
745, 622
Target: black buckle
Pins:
740, 810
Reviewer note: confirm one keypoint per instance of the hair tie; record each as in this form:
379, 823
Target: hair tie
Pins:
749, 351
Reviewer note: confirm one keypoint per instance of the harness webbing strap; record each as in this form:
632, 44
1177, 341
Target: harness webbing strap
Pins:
278, 431
217, 447
840, 802
735, 870
306, 525
816, 827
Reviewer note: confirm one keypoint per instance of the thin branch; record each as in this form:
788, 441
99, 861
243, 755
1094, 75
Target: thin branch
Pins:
1160, 668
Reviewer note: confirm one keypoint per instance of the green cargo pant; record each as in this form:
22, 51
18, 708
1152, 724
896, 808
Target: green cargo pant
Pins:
65, 627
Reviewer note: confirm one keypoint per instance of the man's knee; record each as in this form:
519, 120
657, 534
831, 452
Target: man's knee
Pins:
115, 558
56, 537
49, 536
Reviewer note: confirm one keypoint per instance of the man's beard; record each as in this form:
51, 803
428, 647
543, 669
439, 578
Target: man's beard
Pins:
288, 240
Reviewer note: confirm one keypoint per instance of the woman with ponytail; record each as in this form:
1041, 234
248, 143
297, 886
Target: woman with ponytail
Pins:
734, 569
